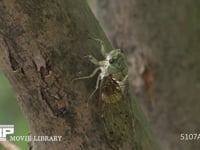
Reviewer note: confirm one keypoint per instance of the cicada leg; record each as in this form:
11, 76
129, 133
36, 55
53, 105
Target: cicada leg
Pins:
92, 59
103, 51
89, 76
96, 87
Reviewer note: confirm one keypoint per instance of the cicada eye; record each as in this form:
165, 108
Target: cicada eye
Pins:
111, 61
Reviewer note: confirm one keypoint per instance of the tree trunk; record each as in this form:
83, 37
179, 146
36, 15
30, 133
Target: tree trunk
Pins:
42, 49
165, 34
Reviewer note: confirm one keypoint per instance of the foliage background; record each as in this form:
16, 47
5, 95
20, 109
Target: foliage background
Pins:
10, 112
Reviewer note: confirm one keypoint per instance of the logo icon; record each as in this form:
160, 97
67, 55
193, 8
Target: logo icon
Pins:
6, 130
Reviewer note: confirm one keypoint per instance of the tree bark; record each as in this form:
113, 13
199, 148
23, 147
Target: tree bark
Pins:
42, 49
165, 34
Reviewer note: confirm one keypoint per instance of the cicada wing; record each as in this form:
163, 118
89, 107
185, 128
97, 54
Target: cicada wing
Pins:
110, 91
116, 112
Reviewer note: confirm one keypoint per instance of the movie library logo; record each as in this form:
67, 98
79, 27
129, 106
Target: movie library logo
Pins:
6, 130
9, 129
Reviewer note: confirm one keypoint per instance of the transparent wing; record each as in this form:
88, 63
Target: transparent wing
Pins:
116, 114
110, 91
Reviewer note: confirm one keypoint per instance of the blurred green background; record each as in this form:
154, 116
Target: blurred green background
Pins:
10, 112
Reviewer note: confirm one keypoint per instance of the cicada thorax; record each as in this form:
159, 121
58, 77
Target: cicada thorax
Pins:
118, 73
116, 115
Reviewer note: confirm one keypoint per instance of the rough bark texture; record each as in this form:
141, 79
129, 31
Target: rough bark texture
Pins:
40, 41
166, 33
42, 44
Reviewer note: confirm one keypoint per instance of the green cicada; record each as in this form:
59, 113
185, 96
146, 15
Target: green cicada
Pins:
113, 85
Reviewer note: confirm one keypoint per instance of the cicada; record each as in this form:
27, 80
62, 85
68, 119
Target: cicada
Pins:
113, 85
